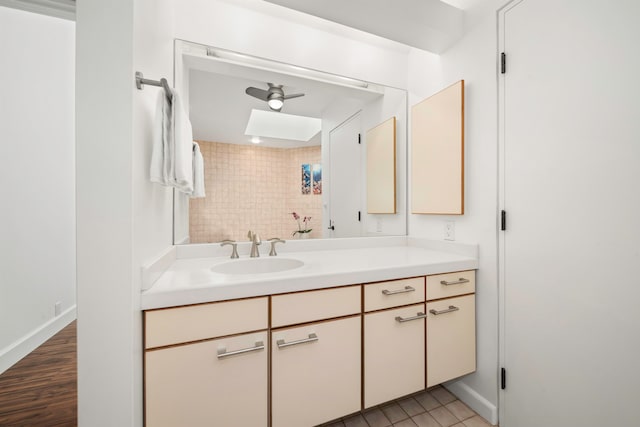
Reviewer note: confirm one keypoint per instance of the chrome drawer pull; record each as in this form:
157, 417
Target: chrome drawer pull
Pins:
399, 291
455, 282
282, 344
222, 352
420, 315
448, 310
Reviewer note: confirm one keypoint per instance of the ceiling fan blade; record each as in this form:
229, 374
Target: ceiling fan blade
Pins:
257, 93
293, 95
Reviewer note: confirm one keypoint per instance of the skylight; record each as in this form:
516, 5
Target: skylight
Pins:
270, 124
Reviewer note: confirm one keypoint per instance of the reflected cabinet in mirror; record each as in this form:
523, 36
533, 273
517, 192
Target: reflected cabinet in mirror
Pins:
381, 168
286, 149
437, 153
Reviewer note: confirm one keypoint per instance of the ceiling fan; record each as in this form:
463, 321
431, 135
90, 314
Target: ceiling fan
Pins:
274, 96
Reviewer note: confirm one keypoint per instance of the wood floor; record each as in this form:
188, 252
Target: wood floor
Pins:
40, 390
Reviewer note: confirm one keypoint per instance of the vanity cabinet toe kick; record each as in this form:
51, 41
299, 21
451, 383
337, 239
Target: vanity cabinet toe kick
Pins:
268, 361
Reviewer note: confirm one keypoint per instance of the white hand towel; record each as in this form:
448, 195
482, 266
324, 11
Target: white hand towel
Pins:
172, 155
182, 177
198, 172
159, 170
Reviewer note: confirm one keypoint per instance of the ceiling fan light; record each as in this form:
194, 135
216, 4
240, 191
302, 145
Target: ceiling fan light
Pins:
275, 104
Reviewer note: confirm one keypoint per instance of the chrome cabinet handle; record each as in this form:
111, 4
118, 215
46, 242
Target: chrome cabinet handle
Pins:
448, 310
222, 352
282, 344
420, 315
399, 291
455, 282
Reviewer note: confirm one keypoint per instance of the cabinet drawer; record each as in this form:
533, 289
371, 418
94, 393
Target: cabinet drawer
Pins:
195, 385
393, 293
451, 339
302, 307
451, 284
183, 324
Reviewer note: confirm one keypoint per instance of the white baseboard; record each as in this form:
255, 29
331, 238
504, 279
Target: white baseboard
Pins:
474, 400
12, 354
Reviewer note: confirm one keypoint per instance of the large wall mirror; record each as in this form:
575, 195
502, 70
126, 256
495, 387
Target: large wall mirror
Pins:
281, 163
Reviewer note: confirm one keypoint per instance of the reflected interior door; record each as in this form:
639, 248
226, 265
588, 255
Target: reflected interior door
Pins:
345, 199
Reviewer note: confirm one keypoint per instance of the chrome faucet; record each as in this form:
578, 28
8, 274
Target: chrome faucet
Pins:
255, 241
273, 241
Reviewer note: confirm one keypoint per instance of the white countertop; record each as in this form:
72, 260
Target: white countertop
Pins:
191, 280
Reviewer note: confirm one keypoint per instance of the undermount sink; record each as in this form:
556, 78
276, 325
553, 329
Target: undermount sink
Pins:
257, 266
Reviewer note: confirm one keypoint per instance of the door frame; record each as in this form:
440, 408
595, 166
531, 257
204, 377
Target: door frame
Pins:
501, 205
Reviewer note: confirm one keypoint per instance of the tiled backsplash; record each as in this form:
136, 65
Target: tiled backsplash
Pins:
255, 188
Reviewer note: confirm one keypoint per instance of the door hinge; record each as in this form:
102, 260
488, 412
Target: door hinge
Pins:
503, 63
503, 378
359, 139
358, 216
503, 220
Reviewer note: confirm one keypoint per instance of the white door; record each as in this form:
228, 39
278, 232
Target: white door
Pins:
570, 177
345, 177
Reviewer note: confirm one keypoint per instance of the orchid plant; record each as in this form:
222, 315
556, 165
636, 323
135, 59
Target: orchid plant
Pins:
301, 229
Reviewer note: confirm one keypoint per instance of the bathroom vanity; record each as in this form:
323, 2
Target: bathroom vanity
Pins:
304, 346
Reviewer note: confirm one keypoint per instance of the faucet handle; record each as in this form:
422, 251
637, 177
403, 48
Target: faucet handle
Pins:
234, 253
273, 241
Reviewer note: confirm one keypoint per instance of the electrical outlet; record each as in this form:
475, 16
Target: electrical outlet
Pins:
449, 230
379, 225
57, 309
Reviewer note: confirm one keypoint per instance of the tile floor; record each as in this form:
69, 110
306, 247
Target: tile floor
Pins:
435, 407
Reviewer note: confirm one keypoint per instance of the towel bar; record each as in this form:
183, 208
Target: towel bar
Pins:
141, 81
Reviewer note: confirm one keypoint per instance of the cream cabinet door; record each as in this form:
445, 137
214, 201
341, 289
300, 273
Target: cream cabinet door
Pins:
315, 372
222, 382
451, 339
394, 353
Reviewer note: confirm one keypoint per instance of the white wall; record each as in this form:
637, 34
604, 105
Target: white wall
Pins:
153, 204
473, 59
280, 34
123, 220
37, 247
